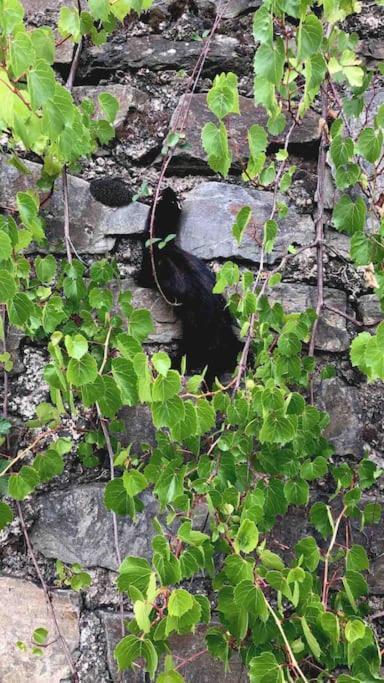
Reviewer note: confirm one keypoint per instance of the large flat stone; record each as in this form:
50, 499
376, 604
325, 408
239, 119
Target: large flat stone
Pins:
332, 333
203, 669
156, 53
342, 402
74, 526
199, 114
127, 97
23, 609
209, 213
93, 226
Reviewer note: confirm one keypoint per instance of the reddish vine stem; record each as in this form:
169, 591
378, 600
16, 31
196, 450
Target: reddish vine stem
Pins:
191, 659
48, 599
328, 556
319, 231
178, 128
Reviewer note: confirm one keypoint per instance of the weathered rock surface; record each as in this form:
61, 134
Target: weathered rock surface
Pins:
138, 426
343, 404
205, 669
156, 53
167, 326
369, 309
209, 213
193, 154
93, 226
74, 526
23, 609
127, 97
332, 334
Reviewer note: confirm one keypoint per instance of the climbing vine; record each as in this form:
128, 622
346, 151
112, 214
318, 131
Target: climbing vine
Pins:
248, 451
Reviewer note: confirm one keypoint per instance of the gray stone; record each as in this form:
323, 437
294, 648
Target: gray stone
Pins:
376, 578
199, 114
23, 609
15, 337
156, 53
332, 334
209, 213
369, 309
93, 226
138, 427
203, 669
372, 48
342, 402
127, 97
74, 526
231, 8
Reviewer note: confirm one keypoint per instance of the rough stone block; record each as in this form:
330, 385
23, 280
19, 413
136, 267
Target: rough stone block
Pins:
342, 402
74, 526
369, 309
93, 226
127, 97
156, 53
199, 114
203, 669
332, 334
23, 609
209, 213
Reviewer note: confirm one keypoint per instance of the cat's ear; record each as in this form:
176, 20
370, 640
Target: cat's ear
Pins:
111, 191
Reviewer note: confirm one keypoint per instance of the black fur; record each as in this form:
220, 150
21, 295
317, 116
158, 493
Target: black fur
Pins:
208, 335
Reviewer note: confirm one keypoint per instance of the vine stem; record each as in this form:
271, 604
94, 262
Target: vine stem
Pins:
191, 659
291, 656
24, 452
108, 444
178, 127
328, 555
319, 232
48, 599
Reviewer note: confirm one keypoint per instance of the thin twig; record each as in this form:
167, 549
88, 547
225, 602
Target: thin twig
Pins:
327, 557
319, 232
24, 452
48, 599
292, 658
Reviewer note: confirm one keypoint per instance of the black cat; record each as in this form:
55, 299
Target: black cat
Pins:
209, 338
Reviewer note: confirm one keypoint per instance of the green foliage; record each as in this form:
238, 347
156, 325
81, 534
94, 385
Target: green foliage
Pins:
248, 455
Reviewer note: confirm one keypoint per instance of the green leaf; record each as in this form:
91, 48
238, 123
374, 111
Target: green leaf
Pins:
170, 677
265, 667
82, 371
269, 61
310, 36
48, 464
6, 515
180, 602
357, 559
166, 387
347, 175
5, 246
134, 482
330, 623
140, 324
314, 469
296, 492
131, 648
247, 536
372, 513
126, 379
40, 635
241, 223
20, 309
41, 83
310, 638
349, 216
270, 233
69, 23
22, 53
134, 571
223, 97
110, 402
370, 143
308, 548
161, 362
354, 630
215, 144
251, 598
8, 287
263, 26
77, 346
342, 150
117, 499
320, 517
45, 268
100, 9
20, 485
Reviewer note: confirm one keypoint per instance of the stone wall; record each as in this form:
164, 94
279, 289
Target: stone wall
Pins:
145, 65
